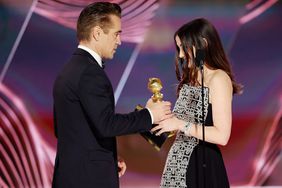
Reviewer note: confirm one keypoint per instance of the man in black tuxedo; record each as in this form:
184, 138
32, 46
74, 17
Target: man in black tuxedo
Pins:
84, 111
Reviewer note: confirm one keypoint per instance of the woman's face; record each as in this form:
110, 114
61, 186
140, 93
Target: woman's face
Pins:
181, 54
180, 47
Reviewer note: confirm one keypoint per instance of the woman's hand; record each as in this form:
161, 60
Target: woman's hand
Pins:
168, 125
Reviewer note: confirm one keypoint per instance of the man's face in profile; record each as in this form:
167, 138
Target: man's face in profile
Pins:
111, 39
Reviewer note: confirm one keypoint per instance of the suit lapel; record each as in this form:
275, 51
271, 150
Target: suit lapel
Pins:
92, 60
82, 52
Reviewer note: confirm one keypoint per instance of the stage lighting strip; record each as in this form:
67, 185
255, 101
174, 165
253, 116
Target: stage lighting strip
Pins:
270, 155
261, 8
24, 161
136, 15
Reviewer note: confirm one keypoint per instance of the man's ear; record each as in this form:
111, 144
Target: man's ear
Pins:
96, 33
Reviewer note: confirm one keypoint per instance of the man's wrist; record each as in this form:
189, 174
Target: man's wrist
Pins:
151, 114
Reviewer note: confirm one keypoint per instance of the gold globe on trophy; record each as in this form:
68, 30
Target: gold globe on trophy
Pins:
155, 86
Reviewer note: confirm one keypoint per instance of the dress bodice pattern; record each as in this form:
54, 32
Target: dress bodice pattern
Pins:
188, 107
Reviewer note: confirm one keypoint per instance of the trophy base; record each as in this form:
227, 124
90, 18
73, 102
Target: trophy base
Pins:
155, 141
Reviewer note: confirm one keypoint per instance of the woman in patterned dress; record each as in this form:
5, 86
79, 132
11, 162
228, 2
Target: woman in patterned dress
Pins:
186, 165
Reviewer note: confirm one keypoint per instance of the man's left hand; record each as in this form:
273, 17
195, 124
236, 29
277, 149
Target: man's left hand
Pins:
121, 167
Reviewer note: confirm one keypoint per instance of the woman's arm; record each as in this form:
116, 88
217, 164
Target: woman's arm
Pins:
220, 88
221, 99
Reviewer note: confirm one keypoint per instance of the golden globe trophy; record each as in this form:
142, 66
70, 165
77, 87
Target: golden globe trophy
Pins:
155, 86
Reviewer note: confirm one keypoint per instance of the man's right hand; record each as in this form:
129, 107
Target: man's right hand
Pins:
159, 110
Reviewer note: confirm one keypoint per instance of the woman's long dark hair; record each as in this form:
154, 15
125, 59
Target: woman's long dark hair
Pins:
194, 34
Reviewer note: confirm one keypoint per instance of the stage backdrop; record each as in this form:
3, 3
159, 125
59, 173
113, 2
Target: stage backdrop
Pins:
38, 37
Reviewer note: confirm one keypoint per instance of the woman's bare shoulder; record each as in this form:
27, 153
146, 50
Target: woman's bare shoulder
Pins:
219, 76
219, 80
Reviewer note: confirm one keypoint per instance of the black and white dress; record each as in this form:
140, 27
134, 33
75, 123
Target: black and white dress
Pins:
184, 165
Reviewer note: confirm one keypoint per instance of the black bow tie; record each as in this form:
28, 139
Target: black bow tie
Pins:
103, 64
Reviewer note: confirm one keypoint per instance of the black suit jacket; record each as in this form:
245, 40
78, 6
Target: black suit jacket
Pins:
86, 125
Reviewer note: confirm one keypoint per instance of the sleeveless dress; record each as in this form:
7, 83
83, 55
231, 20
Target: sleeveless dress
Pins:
184, 164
